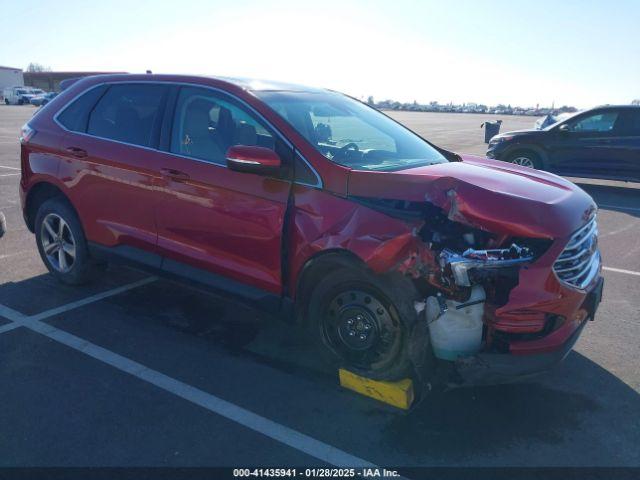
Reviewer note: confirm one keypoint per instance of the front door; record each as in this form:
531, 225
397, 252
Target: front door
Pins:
587, 146
212, 220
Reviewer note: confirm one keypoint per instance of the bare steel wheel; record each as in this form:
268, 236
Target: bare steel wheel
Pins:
359, 328
61, 242
361, 321
58, 243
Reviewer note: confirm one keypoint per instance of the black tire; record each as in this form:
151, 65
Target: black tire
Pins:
525, 158
6, 101
79, 268
382, 316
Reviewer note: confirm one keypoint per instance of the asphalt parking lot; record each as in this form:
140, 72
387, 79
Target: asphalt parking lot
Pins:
138, 371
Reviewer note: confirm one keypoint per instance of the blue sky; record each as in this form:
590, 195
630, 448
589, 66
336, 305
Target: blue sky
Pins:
583, 53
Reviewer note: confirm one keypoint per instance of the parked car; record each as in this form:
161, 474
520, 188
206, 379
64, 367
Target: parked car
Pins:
42, 99
600, 143
17, 95
393, 252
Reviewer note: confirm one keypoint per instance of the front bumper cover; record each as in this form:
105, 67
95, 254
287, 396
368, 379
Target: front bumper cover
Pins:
495, 368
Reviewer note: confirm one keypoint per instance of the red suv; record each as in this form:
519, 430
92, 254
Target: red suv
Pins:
397, 254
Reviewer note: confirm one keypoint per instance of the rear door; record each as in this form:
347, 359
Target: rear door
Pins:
628, 142
216, 225
588, 148
110, 164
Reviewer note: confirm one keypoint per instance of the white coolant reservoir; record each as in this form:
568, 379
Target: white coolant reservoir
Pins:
458, 331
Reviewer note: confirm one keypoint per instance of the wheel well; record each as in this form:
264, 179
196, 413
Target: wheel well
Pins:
315, 269
38, 194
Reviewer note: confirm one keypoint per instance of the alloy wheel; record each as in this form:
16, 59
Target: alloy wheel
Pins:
523, 161
58, 243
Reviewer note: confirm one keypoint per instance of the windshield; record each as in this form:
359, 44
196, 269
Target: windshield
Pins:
563, 117
350, 133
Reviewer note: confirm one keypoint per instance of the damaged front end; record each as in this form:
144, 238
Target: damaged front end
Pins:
488, 298
471, 266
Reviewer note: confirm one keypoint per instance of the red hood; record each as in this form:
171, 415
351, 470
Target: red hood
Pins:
495, 196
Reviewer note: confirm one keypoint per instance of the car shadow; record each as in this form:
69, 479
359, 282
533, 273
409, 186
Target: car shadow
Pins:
555, 410
34, 295
574, 407
568, 414
614, 198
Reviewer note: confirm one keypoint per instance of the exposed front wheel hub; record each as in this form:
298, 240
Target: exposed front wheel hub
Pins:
354, 321
357, 328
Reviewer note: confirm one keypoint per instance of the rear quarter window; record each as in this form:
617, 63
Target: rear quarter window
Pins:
75, 115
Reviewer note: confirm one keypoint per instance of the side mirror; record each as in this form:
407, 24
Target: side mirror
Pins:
251, 159
564, 128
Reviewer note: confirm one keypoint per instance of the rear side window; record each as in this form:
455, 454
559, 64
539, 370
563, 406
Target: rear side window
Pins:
75, 116
129, 113
631, 123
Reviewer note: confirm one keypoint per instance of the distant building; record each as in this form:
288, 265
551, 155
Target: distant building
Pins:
10, 77
50, 81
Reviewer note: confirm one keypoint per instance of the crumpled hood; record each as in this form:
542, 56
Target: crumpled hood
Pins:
494, 196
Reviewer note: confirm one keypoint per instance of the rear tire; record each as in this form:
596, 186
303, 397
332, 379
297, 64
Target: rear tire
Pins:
362, 322
526, 158
61, 242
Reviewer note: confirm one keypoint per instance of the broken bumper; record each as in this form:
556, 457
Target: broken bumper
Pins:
494, 368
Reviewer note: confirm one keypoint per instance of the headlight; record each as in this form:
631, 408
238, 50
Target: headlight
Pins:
499, 139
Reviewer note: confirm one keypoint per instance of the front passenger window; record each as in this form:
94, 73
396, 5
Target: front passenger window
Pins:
601, 122
206, 124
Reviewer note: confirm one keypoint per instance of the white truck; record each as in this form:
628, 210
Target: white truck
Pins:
20, 95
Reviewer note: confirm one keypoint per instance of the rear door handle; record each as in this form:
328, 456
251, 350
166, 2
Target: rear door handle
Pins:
174, 174
77, 152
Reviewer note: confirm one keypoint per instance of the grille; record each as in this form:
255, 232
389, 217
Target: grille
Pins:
579, 262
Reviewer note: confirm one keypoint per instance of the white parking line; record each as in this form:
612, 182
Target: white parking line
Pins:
9, 174
91, 299
15, 254
246, 418
9, 168
20, 318
621, 270
11, 314
280, 433
9, 326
